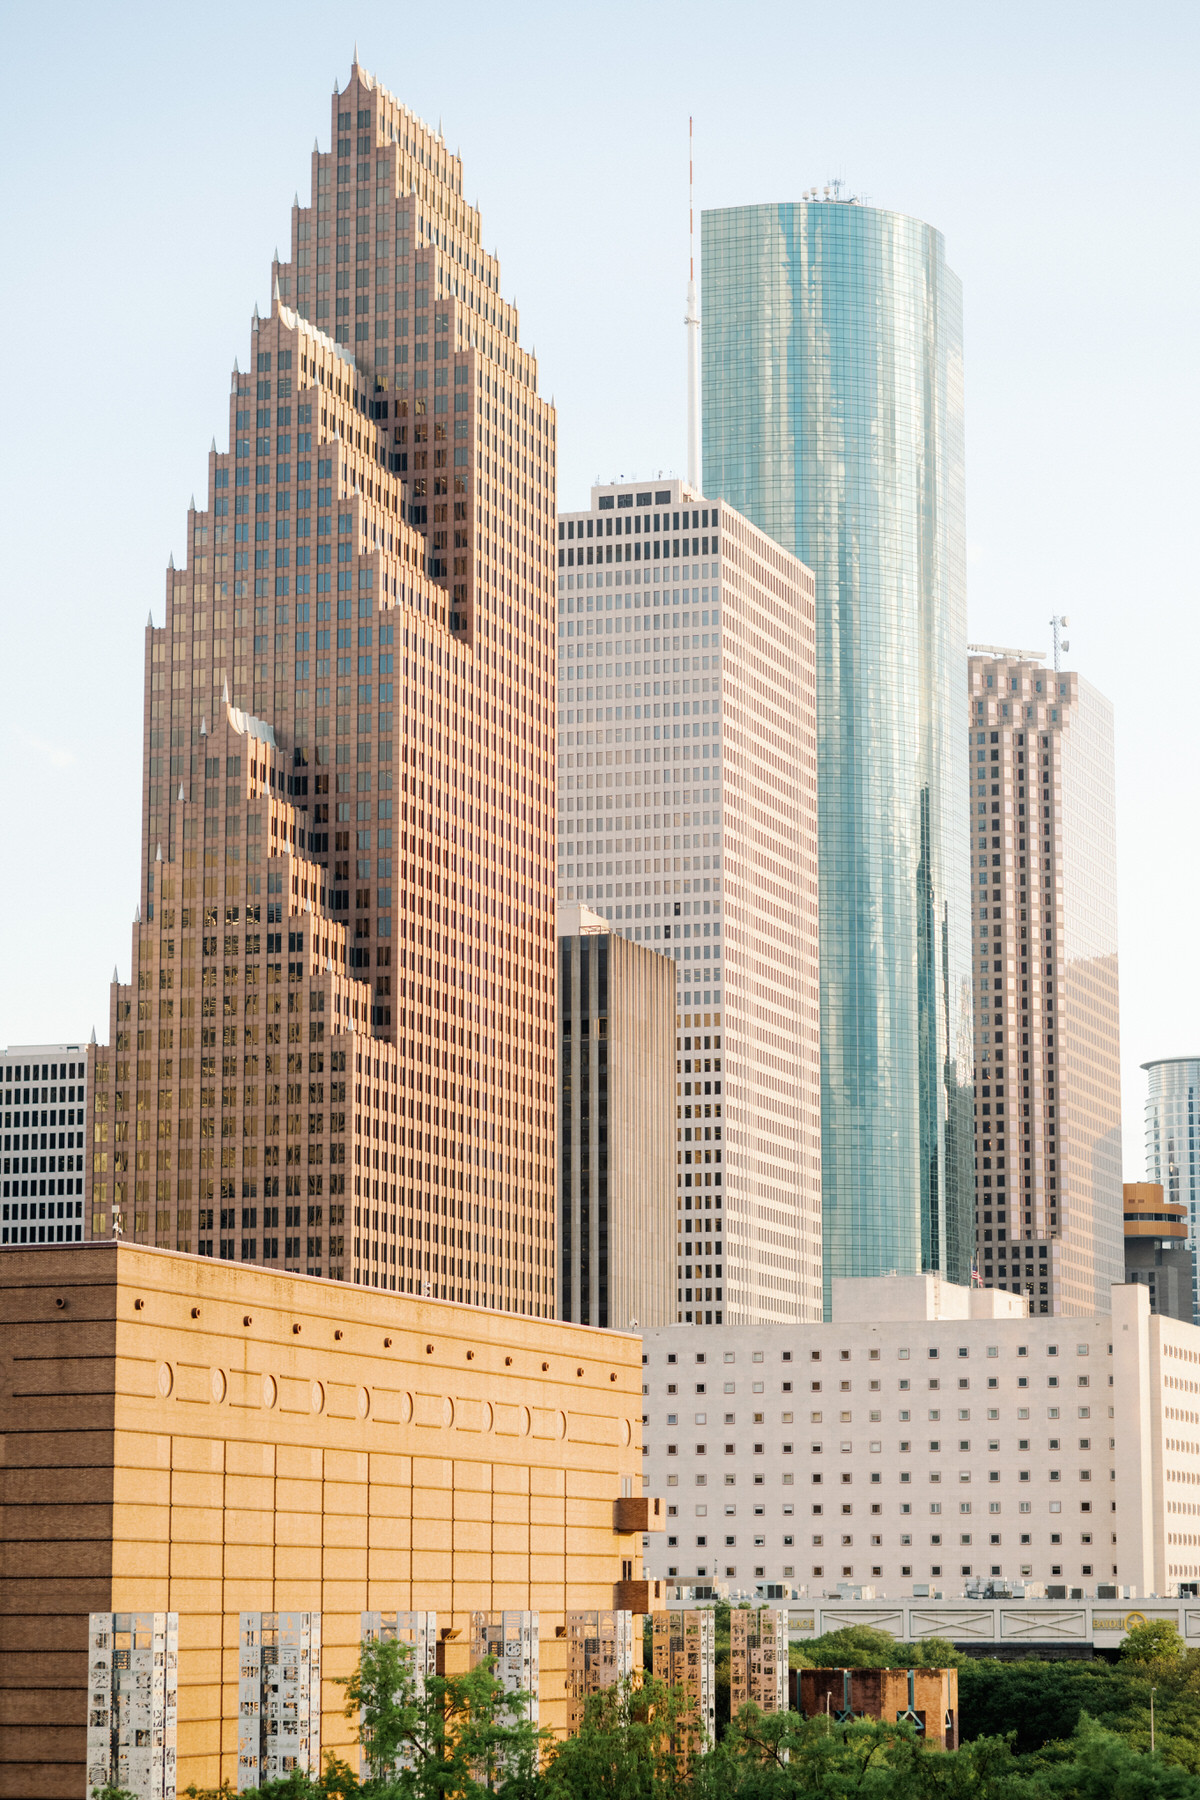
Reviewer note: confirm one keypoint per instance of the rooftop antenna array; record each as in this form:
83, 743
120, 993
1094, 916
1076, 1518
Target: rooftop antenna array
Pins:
1058, 624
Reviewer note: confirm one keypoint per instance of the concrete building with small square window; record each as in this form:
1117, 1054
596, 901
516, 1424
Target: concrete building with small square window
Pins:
688, 817
45, 1118
928, 1436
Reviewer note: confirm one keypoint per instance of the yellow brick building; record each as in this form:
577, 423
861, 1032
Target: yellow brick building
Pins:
205, 1438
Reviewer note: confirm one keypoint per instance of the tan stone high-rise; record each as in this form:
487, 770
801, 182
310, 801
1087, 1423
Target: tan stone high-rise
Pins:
349, 744
1044, 938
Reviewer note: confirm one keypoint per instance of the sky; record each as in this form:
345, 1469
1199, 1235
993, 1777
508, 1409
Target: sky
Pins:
151, 158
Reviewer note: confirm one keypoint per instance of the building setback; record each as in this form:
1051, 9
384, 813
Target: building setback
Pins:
616, 1127
390, 471
1173, 1142
1047, 1018
927, 1434
687, 817
208, 1443
45, 1182
833, 418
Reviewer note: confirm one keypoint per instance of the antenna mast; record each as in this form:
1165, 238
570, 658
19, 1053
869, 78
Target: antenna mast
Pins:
692, 323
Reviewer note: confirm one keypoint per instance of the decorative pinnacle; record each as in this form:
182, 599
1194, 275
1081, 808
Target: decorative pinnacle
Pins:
93, 1036
225, 691
158, 854
203, 727
116, 983
182, 800
137, 914
149, 621
171, 560
254, 323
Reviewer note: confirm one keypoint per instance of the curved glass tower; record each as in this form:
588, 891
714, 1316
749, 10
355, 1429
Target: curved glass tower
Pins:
833, 418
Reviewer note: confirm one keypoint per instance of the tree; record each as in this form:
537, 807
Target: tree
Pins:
1158, 1640
459, 1737
624, 1747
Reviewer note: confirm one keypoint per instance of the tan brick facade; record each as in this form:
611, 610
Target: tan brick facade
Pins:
184, 1436
405, 686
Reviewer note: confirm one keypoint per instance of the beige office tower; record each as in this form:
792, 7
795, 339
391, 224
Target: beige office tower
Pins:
347, 843
688, 817
1049, 1209
616, 1126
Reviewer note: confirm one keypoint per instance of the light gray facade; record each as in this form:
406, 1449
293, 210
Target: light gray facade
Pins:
1173, 1141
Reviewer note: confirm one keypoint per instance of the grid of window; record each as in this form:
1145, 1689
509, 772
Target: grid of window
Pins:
43, 1137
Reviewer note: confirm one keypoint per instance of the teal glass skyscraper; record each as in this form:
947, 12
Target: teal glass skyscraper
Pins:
833, 418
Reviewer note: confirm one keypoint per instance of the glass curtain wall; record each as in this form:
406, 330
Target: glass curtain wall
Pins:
833, 417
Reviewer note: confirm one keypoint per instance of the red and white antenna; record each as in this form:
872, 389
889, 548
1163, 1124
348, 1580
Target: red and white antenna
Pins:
692, 323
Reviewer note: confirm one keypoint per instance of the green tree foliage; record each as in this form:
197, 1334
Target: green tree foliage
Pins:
1158, 1640
1034, 1730
624, 1749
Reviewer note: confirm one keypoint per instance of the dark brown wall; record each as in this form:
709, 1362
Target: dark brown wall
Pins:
57, 1405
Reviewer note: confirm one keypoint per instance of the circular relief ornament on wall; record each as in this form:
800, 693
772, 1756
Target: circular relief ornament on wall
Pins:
362, 1402
270, 1393
166, 1379
316, 1395
218, 1385
406, 1409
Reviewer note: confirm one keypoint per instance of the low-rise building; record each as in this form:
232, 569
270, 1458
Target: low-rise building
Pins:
928, 1434
247, 1451
45, 1117
1157, 1250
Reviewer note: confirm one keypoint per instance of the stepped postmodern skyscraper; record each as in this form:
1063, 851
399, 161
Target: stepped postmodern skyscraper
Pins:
833, 418
1047, 1014
334, 1052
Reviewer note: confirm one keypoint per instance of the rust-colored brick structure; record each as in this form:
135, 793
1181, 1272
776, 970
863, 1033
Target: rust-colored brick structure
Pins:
189, 1437
929, 1697
348, 764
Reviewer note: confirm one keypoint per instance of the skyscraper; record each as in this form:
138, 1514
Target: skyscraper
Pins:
833, 419
1173, 1140
349, 743
616, 1126
687, 801
1047, 1023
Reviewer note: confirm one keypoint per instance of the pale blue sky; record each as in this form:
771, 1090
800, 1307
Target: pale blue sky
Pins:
150, 157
